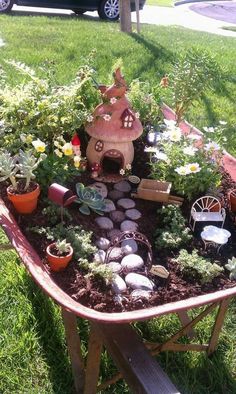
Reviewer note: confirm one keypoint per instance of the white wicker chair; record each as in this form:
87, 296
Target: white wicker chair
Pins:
206, 209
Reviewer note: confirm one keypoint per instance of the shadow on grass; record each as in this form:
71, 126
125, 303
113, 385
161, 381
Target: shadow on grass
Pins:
60, 15
50, 336
158, 52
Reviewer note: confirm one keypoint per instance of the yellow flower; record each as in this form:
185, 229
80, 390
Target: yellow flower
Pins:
29, 139
39, 145
77, 161
67, 149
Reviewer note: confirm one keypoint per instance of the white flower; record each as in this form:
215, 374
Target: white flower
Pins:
128, 167
150, 149
77, 160
170, 123
137, 115
107, 117
222, 122
183, 170
194, 137
39, 145
90, 118
209, 129
175, 134
122, 171
212, 146
190, 150
58, 153
67, 149
193, 168
161, 155
113, 100
154, 137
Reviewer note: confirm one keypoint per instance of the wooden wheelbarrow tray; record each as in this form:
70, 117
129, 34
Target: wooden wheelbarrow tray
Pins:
154, 190
143, 376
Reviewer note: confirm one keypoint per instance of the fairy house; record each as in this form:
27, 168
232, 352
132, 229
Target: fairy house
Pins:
112, 130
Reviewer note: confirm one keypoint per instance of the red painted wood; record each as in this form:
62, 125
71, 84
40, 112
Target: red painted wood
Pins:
42, 277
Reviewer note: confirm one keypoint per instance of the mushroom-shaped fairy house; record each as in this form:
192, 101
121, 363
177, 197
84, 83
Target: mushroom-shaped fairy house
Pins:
112, 131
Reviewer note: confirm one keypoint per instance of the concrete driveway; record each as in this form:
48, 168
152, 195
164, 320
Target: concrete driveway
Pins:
204, 16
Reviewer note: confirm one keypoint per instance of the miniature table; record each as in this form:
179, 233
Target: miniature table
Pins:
212, 235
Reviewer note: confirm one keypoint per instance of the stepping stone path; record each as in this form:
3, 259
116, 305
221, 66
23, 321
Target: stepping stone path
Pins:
124, 258
101, 188
117, 216
133, 214
109, 206
115, 195
126, 203
113, 234
104, 223
103, 243
128, 225
123, 186
129, 246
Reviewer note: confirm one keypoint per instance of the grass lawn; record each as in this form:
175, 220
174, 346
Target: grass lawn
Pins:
66, 41
160, 3
33, 357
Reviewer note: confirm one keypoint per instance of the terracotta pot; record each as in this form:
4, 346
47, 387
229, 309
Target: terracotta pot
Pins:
24, 203
58, 263
232, 200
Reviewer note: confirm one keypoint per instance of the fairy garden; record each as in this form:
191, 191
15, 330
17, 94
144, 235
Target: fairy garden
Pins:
126, 208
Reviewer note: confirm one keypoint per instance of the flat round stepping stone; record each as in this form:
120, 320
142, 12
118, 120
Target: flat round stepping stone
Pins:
140, 293
117, 216
102, 243
128, 225
132, 262
113, 234
99, 256
118, 285
137, 281
109, 205
133, 214
129, 246
115, 195
123, 186
116, 254
126, 203
115, 267
104, 223
101, 188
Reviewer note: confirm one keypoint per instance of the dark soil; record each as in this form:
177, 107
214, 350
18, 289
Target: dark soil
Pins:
94, 293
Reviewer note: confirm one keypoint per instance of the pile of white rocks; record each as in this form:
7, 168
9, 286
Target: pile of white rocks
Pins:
121, 215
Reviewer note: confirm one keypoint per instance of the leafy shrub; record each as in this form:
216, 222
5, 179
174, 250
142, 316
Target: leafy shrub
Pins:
195, 266
173, 232
231, 266
145, 100
45, 110
192, 167
194, 71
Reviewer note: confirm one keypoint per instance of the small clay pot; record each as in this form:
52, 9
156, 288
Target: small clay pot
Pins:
24, 203
232, 200
58, 263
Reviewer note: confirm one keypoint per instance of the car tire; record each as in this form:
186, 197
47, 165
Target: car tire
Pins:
109, 10
6, 5
78, 11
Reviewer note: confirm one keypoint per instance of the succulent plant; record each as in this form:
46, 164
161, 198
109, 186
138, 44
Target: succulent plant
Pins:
8, 168
231, 266
90, 199
27, 163
19, 166
62, 247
